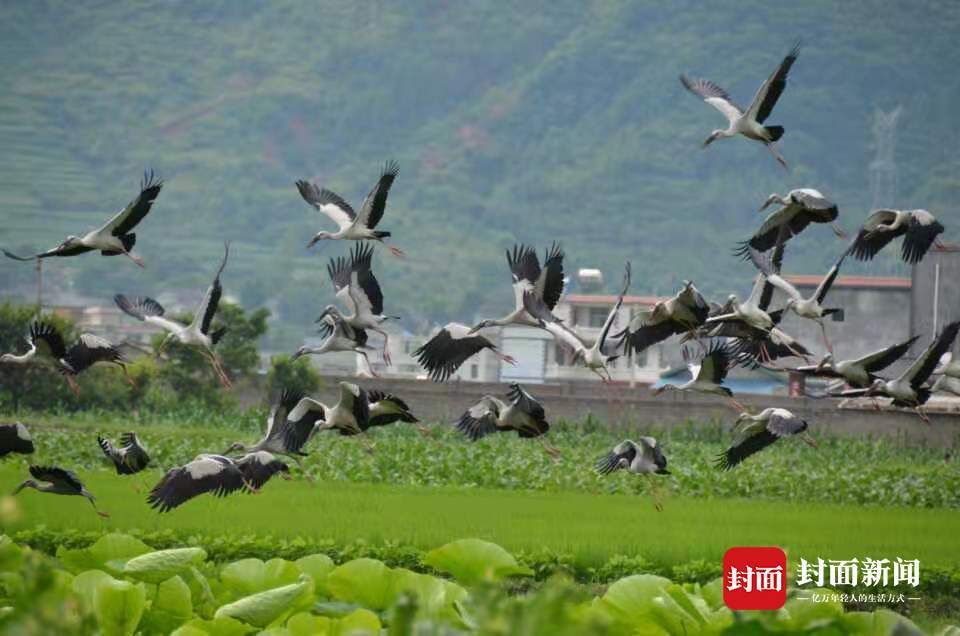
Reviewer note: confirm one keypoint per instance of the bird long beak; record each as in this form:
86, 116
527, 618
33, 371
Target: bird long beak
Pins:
809, 440
313, 242
709, 140
766, 204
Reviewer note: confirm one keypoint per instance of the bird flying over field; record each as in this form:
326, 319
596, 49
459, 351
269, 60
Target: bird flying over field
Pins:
58, 481
756, 432
522, 413
799, 208
707, 373
353, 226
88, 350
641, 458
919, 230
749, 122
113, 238
199, 333
130, 457
450, 347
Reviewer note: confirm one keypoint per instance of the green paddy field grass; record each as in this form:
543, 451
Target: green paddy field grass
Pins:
589, 528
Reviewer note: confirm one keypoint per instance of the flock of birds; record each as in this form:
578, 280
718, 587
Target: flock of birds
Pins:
737, 332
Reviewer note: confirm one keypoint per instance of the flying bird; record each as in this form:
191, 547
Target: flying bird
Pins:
948, 366
644, 458
706, 374
349, 416
545, 284
811, 308
214, 474
595, 356
756, 432
523, 414
58, 481
919, 230
130, 457
353, 226
339, 336
15, 438
198, 333
799, 208
71, 361
113, 238
908, 389
387, 408
275, 439
450, 347
682, 313
749, 122
357, 287
859, 372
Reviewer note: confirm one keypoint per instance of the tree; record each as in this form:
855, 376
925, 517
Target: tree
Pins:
37, 384
187, 370
292, 375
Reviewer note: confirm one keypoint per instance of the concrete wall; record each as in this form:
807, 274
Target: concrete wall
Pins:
620, 405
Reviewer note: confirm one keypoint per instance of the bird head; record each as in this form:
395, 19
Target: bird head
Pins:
319, 236
663, 388
483, 324
71, 241
236, 447
30, 483
6, 357
791, 304
713, 137
773, 198
302, 351
825, 362
876, 387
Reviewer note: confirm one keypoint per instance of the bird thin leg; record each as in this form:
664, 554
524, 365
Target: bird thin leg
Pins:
386, 341
776, 155
369, 366
922, 413
551, 450
72, 383
839, 231
826, 340
135, 259
94, 504
505, 357
253, 490
126, 375
218, 368
303, 470
655, 493
739, 408
396, 251
424, 430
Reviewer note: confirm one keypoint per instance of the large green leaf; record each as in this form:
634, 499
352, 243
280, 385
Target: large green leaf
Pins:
249, 576
317, 567
85, 584
263, 608
632, 602
356, 623
110, 547
222, 626
882, 622
471, 561
118, 606
172, 606
805, 613
159, 566
367, 582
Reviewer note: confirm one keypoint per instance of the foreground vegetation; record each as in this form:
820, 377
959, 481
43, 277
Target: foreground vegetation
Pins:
120, 586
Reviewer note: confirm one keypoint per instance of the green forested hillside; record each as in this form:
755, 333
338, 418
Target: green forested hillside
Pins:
511, 121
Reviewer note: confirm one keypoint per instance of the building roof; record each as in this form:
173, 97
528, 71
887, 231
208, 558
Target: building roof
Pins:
856, 282
609, 299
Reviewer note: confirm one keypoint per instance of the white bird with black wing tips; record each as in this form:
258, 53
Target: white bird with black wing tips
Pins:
112, 238
544, 283
214, 474
352, 225
706, 373
683, 313
800, 208
643, 458
199, 333
87, 351
858, 372
450, 347
349, 416
523, 414
919, 230
756, 432
339, 336
357, 287
908, 389
58, 481
595, 356
749, 122
811, 308
130, 457
275, 439
15, 438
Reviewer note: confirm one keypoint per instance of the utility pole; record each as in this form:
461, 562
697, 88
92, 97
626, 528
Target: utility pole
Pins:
883, 168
